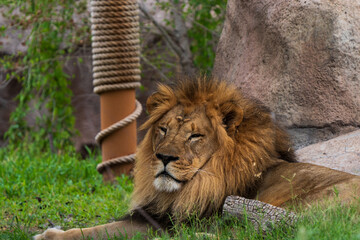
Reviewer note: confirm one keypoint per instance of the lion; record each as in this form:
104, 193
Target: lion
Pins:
204, 142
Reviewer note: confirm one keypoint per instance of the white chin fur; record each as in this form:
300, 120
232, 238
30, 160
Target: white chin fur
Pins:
166, 184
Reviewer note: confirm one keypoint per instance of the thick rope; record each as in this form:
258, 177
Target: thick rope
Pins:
123, 74
118, 49
116, 58
114, 87
115, 161
120, 124
109, 68
112, 22
109, 44
113, 80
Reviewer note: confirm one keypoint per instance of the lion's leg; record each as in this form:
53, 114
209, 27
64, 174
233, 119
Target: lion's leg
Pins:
126, 228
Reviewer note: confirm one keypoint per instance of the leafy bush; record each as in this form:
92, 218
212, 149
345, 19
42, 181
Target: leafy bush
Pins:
45, 87
203, 21
208, 18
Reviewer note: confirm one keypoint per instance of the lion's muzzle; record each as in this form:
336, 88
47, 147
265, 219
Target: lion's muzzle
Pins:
166, 158
164, 180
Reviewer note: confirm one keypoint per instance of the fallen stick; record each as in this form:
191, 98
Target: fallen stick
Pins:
263, 216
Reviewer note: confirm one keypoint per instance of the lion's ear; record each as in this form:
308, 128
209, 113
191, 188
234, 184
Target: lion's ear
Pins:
162, 96
153, 101
232, 116
158, 104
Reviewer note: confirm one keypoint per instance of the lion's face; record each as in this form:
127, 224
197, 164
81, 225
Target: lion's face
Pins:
182, 146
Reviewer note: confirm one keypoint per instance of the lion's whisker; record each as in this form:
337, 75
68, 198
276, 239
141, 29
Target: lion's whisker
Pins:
199, 170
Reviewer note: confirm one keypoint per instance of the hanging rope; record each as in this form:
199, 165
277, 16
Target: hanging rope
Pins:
116, 58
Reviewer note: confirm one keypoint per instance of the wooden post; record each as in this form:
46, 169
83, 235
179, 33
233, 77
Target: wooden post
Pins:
116, 72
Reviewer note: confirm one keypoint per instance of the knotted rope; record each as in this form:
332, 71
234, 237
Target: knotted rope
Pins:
116, 58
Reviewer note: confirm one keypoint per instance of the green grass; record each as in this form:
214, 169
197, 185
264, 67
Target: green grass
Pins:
39, 190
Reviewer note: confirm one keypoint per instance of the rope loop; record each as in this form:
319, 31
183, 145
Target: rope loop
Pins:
115, 161
116, 86
128, 67
120, 124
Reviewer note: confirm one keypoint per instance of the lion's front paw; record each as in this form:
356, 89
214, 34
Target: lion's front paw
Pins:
49, 234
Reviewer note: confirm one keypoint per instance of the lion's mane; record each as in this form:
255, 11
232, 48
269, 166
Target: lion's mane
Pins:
250, 144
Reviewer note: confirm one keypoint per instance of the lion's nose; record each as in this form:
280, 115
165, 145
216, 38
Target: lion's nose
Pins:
166, 158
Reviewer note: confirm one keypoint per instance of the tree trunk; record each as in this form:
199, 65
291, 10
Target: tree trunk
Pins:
263, 216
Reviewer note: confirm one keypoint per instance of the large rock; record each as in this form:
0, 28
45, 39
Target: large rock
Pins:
12, 41
341, 153
301, 58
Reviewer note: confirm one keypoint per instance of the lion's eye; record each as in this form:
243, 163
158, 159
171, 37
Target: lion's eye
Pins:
162, 130
195, 136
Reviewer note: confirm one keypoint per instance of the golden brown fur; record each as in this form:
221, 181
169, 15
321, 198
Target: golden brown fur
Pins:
205, 141
249, 139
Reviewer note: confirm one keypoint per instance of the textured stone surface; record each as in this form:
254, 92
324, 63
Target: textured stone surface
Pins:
304, 136
301, 58
13, 40
341, 153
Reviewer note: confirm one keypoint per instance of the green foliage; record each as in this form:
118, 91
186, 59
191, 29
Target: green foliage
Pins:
45, 91
208, 17
204, 20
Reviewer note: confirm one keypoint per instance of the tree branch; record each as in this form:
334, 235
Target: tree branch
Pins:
263, 216
201, 25
168, 39
186, 57
162, 75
